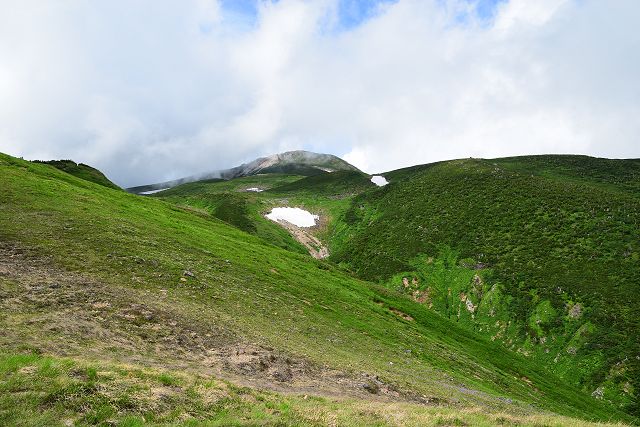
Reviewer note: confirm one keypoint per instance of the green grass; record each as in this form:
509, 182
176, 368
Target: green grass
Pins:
262, 294
341, 184
549, 232
325, 194
230, 201
82, 171
39, 390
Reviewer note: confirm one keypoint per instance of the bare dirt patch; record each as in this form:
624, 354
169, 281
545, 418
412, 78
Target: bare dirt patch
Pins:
46, 309
315, 247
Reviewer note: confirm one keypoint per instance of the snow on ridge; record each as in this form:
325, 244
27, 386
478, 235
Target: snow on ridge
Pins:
152, 191
255, 189
295, 216
379, 180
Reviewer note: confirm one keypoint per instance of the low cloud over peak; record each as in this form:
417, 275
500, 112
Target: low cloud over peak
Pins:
150, 91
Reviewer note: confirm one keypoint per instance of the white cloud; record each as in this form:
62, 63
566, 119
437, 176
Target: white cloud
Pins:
526, 13
149, 91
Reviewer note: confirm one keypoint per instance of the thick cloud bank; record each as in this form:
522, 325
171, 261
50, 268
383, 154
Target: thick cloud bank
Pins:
149, 91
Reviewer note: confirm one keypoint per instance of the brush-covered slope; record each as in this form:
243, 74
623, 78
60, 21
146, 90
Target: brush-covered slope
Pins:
541, 253
243, 202
342, 184
81, 170
107, 278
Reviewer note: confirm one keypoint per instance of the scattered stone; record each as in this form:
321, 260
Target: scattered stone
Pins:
371, 387
100, 305
188, 273
598, 393
402, 315
470, 307
28, 370
575, 311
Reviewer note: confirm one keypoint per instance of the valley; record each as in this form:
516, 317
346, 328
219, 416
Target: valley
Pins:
190, 305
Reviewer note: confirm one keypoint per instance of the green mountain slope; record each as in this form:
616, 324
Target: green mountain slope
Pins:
107, 277
233, 201
341, 184
540, 253
81, 170
238, 202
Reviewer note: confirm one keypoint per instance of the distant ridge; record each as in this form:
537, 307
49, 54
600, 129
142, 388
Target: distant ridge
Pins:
299, 162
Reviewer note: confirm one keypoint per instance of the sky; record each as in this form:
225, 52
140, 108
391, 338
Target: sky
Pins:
152, 90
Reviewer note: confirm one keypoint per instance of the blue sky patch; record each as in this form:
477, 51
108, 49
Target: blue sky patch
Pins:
352, 13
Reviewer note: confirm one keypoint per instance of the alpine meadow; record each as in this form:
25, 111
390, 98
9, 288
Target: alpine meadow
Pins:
319, 213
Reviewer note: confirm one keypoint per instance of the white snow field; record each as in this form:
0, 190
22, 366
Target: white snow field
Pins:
379, 180
152, 191
295, 216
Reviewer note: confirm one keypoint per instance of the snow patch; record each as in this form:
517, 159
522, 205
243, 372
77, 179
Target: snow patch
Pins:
295, 216
325, 169
153, 191
379, 180
255, 189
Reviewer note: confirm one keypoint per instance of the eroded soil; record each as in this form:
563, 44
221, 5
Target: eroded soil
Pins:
46, 309
315, 247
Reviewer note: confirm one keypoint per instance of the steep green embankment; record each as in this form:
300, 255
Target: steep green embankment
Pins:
82, 171
95, 273
541, 253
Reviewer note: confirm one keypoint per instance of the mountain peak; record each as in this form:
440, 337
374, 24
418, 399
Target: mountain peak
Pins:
298, 162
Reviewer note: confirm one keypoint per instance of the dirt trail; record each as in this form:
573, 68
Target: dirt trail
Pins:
312, 243
47, 309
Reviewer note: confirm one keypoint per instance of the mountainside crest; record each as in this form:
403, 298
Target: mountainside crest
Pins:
297, 162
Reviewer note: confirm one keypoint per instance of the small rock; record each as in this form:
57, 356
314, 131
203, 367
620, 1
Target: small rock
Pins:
598, 393
28, 369
188, 273
371, 387
575, 311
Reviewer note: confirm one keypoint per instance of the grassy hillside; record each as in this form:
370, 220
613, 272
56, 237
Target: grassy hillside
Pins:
81, 170
540, 253
341, 184
230, 201
326, 194
65, 391
610, 173
104, 277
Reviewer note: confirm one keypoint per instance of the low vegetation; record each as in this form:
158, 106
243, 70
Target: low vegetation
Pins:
554, 238
82, 171
39, 390
149, 309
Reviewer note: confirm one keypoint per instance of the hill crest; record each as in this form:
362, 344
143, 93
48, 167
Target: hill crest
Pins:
299, 162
